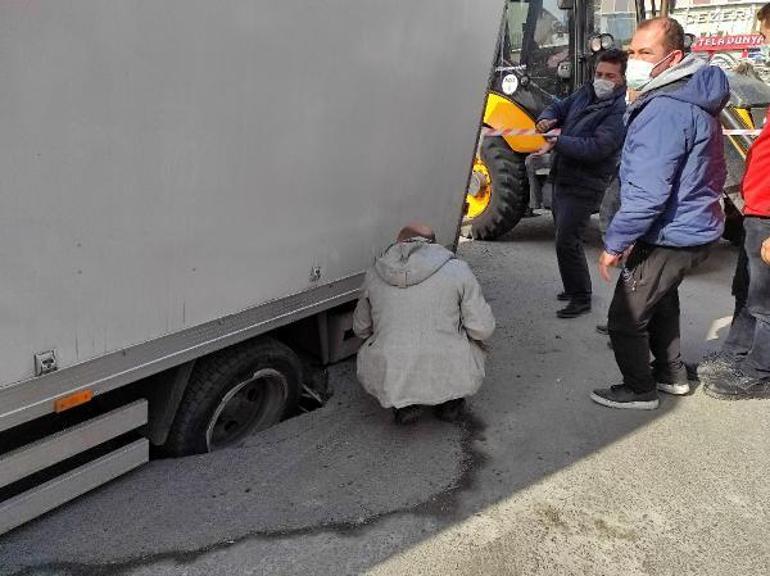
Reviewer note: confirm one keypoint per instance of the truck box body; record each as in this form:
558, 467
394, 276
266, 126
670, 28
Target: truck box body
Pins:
177, 176
165, 164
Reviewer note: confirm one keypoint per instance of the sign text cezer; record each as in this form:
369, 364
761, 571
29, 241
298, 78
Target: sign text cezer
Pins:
717, 14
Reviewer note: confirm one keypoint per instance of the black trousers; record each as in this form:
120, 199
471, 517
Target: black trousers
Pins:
572, 214
749, 337
644, 314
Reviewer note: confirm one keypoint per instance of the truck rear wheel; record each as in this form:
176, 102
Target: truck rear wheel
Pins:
507, 190
233, 393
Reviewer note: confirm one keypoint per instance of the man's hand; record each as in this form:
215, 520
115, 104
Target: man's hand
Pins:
550, 142
607, 260
545, 148
545, 125
765, 251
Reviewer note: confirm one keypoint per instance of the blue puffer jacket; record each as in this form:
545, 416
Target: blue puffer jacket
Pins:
588, 148
672, 167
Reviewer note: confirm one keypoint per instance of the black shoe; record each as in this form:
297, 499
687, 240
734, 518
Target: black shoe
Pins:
692, 372
530, 214
738, 386
407, 414
676, 388
574, 309
621, 396
716, 365
566, 297
603, 329
450, 411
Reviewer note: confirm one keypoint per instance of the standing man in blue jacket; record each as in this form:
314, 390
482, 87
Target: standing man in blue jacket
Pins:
585, 157
671, 175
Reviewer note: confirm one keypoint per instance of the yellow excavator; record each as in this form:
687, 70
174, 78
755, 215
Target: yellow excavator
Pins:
546, 50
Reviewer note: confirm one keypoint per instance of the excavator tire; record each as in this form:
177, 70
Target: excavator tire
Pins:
510, 190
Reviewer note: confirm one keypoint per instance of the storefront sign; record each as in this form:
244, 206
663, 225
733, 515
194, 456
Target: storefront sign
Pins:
720, 43
718, 14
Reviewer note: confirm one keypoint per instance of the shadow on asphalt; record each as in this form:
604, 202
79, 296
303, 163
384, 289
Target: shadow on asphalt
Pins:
344, 467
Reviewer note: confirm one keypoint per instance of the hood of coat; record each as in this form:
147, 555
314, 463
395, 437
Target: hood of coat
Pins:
706, 88
412, 262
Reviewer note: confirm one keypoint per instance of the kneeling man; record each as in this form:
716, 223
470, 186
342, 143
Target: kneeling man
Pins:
424, 319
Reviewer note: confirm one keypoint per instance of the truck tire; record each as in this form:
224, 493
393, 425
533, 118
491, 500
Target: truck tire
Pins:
510, 190
234, 392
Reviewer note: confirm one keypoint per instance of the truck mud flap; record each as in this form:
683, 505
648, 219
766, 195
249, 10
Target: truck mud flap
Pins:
108, 436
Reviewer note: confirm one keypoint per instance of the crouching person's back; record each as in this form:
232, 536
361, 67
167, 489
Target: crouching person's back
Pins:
423, 317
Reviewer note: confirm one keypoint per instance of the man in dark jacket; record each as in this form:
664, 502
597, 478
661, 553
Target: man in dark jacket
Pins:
672, 173
585, 157
742, 368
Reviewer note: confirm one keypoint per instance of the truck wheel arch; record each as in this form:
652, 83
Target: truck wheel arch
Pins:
251, 385
164, 392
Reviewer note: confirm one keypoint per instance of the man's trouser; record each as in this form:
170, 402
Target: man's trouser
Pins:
644, 314
572, 214
610, 204
533, 163
740, 288
749, 337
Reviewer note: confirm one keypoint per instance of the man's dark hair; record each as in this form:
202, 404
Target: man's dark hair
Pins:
615, 56
673, 33
763, 14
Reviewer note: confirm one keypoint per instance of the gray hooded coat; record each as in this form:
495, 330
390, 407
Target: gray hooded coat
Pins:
420, 310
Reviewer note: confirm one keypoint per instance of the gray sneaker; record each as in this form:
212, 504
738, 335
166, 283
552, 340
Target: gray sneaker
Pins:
738, 385
674, 382
675, 388
715, 365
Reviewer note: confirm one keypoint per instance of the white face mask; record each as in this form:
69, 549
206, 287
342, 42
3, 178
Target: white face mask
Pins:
639, 72
603, 88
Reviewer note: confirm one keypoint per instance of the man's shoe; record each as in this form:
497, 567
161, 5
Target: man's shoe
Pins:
407, 414
603, 329
530, 213
574, 309
565, 297
450, 411
672, 382
675, 388
692, 372
621, 396
715, 365
738, 386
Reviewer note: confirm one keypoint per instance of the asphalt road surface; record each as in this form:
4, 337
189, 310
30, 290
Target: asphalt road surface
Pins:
537, 481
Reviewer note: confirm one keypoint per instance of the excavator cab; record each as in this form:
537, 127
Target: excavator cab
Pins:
546, 50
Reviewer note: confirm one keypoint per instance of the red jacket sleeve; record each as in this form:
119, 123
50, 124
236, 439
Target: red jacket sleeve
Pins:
756, 179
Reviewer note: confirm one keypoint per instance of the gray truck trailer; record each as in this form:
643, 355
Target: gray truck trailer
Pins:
185, 182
